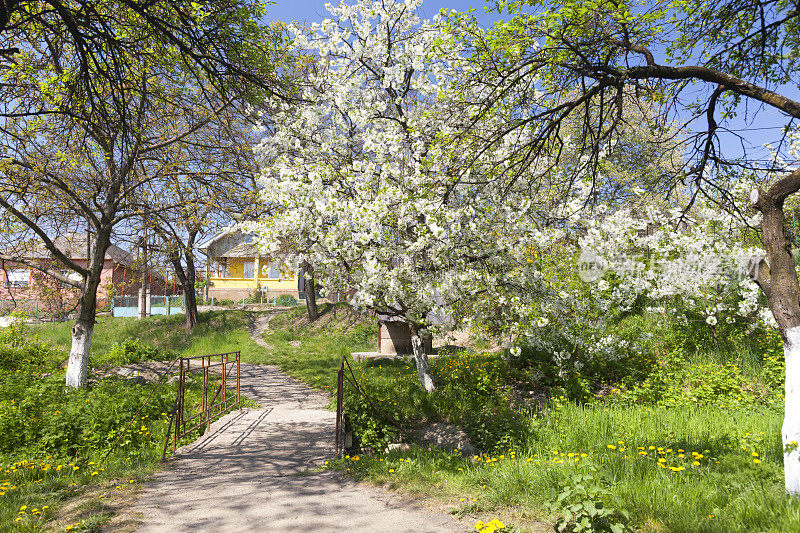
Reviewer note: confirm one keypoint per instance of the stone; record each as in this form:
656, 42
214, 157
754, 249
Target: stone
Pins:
445, 436
398, 447
135, 380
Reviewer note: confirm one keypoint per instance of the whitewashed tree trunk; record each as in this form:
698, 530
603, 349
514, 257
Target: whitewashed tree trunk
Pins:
421, 360
778, 281
142, 309
78, 365
791, 420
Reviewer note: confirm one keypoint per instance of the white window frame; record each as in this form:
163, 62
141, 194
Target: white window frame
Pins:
251, 270
274, 271
18, 277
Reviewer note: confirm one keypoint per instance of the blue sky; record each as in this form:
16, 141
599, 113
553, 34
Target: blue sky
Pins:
314, 11
764, 129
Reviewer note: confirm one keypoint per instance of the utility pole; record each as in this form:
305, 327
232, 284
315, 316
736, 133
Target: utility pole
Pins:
144, 290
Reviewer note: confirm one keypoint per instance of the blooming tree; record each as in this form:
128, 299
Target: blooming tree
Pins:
371, 179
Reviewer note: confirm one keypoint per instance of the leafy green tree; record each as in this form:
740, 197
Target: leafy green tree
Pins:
85, 88
209, 184
718, 67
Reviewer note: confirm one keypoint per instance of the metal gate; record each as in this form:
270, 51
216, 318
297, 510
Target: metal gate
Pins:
216, 374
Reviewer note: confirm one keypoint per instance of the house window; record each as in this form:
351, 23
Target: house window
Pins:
274, 271
222, 270
248, 269
18, 277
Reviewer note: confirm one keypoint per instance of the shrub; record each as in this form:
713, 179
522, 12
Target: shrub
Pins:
14, 333
38, 415
133, 351
285, 300
680, 382
471, 394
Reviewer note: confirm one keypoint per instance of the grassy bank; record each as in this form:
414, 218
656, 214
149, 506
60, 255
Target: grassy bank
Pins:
311, 352
62, 461
693, 446
216, 332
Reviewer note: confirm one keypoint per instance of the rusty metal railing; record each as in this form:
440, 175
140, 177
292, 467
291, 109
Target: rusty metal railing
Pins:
341, 377
184, 423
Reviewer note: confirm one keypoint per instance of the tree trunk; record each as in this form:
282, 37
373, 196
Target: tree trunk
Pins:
189, 296
311, 292
791, 417
78, 365
783, 291
421, 359
186, 279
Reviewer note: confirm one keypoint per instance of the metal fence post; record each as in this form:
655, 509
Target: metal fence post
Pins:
339, 407
205, 392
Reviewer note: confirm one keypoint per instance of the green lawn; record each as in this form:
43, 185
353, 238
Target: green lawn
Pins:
706, 458
216, 332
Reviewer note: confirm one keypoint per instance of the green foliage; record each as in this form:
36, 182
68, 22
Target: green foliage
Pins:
38, 415
285, 300
133, 351
582, 505
471, 393
693, 334
712, 379
14, 334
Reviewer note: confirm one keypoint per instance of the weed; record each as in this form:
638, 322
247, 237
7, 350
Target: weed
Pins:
582, 506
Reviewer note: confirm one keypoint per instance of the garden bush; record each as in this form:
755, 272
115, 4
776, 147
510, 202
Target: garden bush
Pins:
285, 300
472, 393
133, 351
39, 416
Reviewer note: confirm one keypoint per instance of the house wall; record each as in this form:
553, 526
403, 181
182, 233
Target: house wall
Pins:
235, 282
46, 294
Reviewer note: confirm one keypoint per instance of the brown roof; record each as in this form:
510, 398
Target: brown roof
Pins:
74, 246
243, 249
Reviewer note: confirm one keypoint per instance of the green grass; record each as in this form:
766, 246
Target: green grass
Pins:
311, 353
216, 332
54, 439
530, 456
727, 491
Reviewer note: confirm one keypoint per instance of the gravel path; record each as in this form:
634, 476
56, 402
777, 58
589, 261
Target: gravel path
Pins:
255, 470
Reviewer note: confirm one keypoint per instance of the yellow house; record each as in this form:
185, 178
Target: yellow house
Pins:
236, 270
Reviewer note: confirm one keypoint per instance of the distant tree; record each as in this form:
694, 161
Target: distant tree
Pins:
84, 84
208, 185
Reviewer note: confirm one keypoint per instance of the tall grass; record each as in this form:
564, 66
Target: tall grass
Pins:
216, 332
53, 440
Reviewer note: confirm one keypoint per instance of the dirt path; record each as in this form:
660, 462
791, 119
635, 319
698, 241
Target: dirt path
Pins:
257, 470
259, 325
